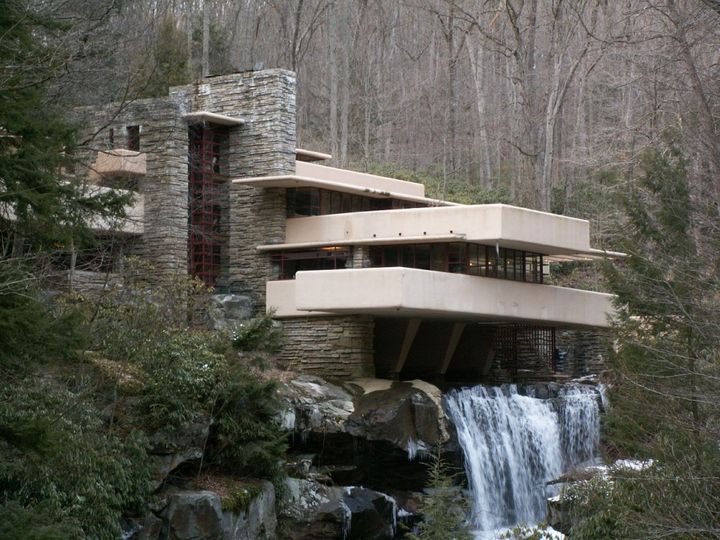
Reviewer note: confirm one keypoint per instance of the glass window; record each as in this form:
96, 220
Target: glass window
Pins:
325, 201
336, 204
492, 261
391, 256
376, 256
473, 259
346, 203
438, 257
133, 138
457, 258
302, 202
422, 256
406, 256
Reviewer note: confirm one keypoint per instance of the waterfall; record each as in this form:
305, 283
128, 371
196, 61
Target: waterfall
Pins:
514, 444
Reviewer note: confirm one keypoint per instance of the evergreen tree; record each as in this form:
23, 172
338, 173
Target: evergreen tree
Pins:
41, 208
167, 65
444, 508
667, 397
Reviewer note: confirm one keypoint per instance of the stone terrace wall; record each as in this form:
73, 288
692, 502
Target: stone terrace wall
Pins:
163, 137
330, 347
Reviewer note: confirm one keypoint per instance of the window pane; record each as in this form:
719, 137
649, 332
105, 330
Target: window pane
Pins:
391, 257
325, 201
422, 257
457, 261
336, 206
407, 256
438, 260
346, 203
492, 261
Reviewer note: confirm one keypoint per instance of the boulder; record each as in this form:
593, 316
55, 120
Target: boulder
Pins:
313, 404
227, 310
312, 511
170, 450
193, 515
408, 414
373, 515
147, 528
255, 522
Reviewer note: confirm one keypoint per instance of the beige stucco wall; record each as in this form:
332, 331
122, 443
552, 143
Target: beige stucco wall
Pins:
427, 294
119, 162
510, 226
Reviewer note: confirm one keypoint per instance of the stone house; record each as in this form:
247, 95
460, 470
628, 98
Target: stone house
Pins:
368, 276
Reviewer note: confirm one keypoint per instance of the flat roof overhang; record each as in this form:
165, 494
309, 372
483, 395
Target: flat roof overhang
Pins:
311, 155
196, 117
491, 224
320, 176
408, 292
298, 181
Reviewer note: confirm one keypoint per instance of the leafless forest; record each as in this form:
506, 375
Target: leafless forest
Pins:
545, 103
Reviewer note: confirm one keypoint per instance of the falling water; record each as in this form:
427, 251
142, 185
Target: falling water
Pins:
514, 444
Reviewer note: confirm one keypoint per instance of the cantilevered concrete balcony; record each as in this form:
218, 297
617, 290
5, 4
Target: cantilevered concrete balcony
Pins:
424, 294
120, 163
490, 224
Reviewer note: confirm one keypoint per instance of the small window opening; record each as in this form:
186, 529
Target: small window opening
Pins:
133, 138
111, 137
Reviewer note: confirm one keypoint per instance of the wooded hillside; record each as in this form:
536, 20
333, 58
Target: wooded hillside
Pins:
549, 101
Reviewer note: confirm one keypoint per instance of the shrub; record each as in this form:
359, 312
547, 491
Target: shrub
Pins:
257, 334
245, 436
57, 457
191, 375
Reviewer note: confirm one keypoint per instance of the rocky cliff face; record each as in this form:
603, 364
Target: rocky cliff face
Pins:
354, 454
352, 468
355, 464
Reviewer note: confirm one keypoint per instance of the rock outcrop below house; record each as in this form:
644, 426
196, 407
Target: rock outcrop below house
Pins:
408, 415
364, 432
314, 511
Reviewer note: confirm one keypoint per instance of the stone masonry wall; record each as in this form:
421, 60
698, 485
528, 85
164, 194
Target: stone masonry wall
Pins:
331, 347
263, 146
163, 137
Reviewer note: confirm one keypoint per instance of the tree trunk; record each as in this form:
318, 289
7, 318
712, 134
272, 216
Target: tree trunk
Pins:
206, 39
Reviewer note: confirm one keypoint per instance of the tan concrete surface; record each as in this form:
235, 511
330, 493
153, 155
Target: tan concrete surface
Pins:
424, 294
509, 226
120, 162
363, 180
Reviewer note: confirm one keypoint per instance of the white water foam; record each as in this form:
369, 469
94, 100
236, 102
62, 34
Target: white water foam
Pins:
514, 444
